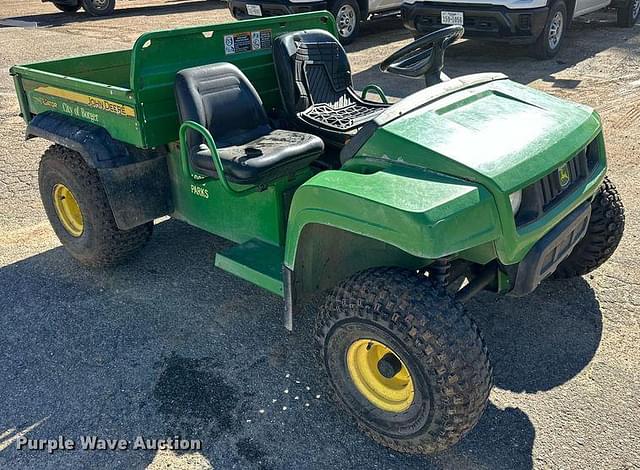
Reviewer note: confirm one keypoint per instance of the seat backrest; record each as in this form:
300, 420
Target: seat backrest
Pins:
221, 98
312, 67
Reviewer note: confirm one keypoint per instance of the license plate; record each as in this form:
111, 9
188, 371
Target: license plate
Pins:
452, 17
254, 10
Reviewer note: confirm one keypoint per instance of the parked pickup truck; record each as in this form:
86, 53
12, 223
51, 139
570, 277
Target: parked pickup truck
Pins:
348, 13
541, 23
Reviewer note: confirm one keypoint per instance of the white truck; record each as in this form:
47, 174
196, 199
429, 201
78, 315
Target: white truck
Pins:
348, 13
540, 23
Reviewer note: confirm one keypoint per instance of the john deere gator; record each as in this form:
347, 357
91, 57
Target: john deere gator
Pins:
396, 213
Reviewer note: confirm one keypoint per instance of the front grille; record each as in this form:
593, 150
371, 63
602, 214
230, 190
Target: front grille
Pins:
539, 197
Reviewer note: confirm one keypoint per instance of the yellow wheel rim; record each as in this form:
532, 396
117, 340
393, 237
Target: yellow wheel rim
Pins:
380, 376
68, 210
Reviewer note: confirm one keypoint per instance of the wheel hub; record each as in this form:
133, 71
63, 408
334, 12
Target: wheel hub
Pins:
346, 19
636, 8
100, 4
555, 30
380, 376
68, 210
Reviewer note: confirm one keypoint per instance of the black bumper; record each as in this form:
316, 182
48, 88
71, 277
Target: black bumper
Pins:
480, 21
550, 251
238, 8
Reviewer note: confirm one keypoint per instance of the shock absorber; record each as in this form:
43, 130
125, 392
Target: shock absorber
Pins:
439, 271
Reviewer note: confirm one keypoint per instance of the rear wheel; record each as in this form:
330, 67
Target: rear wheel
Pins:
629, 13
548, 43
603, 234
404, 360
348, 17
66, 7
79, 212
99, 7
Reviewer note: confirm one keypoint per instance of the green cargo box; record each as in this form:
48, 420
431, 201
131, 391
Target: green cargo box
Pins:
130, 93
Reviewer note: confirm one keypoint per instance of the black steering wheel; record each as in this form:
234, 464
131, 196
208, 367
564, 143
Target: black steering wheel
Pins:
424, 56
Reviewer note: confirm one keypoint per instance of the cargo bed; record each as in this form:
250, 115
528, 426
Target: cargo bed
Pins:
130, 93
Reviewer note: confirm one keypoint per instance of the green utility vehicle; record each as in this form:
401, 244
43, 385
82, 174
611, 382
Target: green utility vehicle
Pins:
397, 213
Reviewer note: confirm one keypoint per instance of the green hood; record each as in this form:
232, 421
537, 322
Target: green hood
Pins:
501, 134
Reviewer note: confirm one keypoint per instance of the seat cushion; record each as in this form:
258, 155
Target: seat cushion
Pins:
264, 159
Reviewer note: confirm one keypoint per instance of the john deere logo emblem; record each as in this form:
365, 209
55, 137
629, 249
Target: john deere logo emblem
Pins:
564, 175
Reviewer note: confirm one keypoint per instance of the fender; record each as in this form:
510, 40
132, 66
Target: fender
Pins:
424, 214
136, 181
342, 222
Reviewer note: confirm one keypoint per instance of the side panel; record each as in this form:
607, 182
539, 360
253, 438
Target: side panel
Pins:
204, 203
425, 215
118, 116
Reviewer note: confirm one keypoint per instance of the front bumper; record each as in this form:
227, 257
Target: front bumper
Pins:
480, 21
238, 8
550, 251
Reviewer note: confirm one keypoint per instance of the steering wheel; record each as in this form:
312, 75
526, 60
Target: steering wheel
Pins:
424, 56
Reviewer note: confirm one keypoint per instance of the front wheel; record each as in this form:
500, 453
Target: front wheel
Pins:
548, 43
348, 17
603, 236
66, 7
628, 14
403, 360
99, 7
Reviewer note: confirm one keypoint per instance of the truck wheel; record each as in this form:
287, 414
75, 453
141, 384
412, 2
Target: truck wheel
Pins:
99, 7
628, 14
403, 360
348, 17
79, 212
66, 7
548, 43
603, 234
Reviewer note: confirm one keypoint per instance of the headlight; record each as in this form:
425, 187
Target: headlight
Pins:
516, 200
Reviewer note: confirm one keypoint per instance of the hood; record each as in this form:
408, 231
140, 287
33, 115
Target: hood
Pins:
501, 134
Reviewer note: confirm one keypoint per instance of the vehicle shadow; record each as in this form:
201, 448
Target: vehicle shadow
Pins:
588, 36
168, 345
543, 340
57, 18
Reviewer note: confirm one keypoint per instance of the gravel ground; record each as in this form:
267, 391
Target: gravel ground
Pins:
168, 345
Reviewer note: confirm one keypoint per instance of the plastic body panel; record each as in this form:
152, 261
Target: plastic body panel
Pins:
503, 136
425, 215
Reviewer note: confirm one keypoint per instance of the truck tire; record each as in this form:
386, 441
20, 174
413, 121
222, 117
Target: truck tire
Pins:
348, 16
550, 40
99, 7
628, 14
66, 7
403, 359
603, 234
79, 212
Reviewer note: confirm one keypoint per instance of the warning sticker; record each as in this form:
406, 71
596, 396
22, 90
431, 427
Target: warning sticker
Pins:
248, 41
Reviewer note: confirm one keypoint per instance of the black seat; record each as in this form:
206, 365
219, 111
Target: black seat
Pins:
221, 98
315, 83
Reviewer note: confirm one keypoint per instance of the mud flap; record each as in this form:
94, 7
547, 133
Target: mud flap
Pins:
138, 192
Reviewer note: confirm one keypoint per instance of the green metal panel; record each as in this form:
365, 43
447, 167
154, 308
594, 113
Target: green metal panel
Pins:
424, 214
118, 116
205, 203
